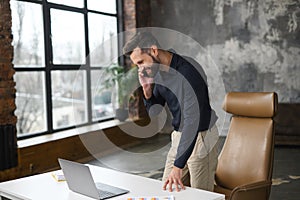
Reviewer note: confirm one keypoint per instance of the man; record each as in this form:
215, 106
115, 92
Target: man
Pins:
168, 78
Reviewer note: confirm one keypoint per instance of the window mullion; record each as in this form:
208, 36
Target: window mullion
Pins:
48, 64
88, 69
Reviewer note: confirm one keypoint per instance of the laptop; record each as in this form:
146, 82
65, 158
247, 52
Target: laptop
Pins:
80, 180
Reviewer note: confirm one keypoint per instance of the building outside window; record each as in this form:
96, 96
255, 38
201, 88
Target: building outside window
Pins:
58, 58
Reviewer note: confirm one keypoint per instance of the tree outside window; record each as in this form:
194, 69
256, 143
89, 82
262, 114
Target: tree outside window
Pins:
55, 75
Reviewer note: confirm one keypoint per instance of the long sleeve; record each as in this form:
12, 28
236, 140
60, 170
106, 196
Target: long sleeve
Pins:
156, 98
191, 117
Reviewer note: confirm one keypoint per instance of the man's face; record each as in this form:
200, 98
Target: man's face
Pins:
147, 63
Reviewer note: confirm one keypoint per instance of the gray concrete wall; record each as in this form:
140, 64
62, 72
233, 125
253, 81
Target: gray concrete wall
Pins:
254, 44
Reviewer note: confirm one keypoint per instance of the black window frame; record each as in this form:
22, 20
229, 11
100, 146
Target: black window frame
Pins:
50, 67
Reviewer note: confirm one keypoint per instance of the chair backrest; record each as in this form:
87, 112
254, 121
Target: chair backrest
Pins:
248, 151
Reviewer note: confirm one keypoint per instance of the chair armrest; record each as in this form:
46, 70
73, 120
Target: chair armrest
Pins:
257, 190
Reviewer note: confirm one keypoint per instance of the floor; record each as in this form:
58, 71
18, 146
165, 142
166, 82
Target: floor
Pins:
286, 173
148, 159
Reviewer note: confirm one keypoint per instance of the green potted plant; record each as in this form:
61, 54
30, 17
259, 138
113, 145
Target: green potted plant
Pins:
123, 83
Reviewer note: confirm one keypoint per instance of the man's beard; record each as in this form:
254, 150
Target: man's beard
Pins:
154, 67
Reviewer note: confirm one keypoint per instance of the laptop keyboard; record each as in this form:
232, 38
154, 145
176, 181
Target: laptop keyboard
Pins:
105, 194
106, 191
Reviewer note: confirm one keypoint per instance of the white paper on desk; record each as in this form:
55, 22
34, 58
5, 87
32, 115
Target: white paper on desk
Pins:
152, 198
58, 176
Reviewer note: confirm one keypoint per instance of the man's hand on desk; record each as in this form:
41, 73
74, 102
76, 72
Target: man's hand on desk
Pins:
174, 178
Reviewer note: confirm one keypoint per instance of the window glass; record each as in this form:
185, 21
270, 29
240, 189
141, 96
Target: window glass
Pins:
30, 102
68, 98
102, 96
28, 34
68, 82
68, 43
74, 3
108, 6
102, 39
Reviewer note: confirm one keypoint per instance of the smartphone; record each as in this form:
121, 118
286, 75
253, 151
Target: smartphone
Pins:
145, 73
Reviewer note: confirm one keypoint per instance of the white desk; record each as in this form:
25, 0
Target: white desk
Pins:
44, 187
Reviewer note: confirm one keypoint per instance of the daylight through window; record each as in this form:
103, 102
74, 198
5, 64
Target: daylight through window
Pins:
58, 58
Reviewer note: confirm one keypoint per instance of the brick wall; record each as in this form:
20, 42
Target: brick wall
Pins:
136, 106
129, 14
8, 140
7, 84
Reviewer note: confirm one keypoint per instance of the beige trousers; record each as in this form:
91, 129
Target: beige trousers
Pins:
199, 172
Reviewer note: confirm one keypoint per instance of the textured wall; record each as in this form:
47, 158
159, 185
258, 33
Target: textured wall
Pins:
129, 14
7, 84
8, 140
255, 44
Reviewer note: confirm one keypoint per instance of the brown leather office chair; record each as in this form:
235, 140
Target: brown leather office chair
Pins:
244, 170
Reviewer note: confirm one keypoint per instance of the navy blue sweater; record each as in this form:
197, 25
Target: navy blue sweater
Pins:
185, 91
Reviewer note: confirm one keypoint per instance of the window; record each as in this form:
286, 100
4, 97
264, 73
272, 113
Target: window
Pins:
58, 58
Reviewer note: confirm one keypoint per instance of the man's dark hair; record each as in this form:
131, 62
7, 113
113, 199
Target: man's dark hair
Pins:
143, 40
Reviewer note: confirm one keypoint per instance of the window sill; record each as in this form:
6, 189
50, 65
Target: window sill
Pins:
68, 133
